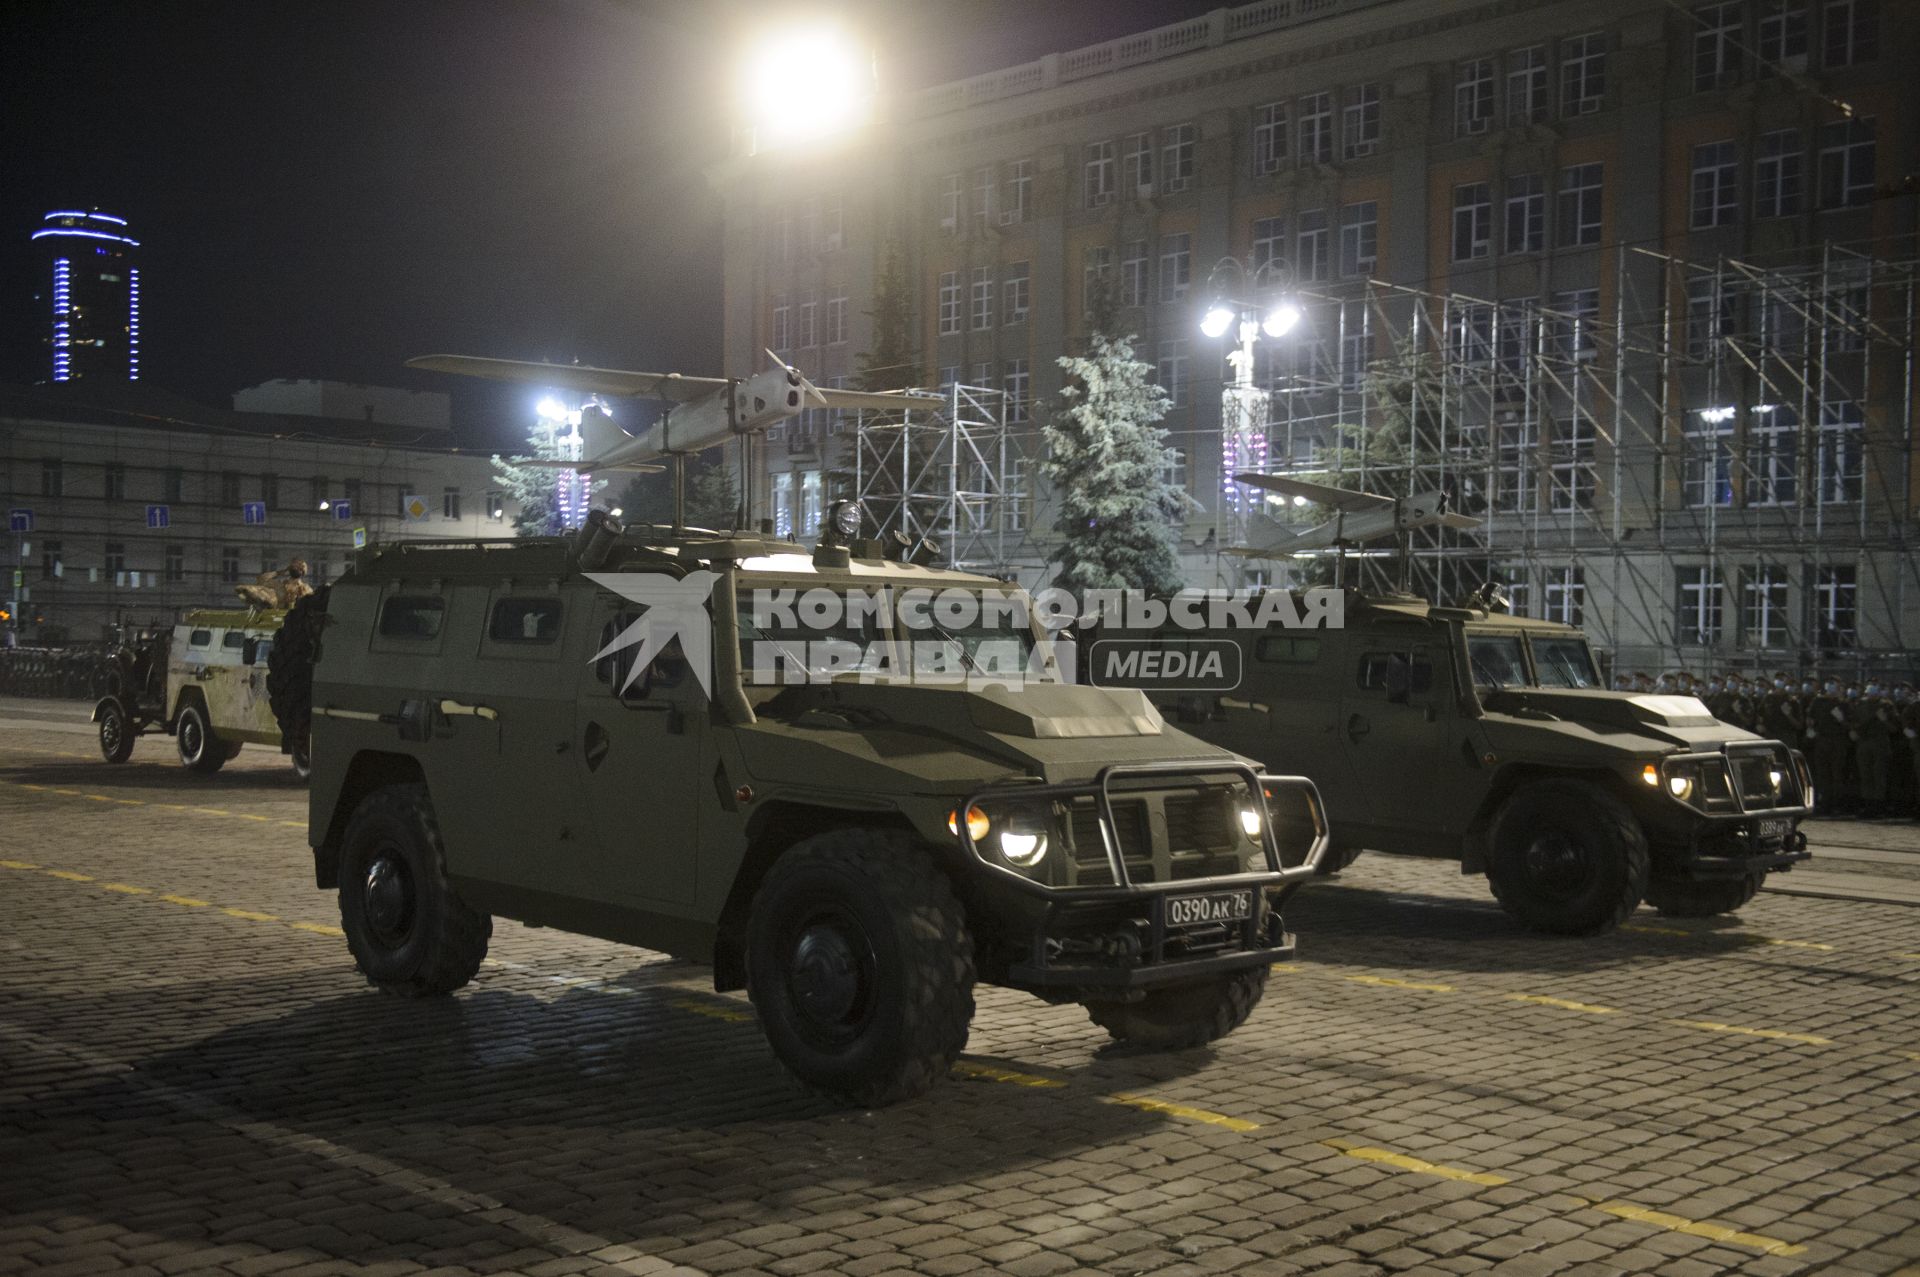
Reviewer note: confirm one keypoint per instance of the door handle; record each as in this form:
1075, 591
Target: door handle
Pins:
1357, 727
454, 708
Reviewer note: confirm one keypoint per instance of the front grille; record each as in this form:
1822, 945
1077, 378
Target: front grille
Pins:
1202, 840
1752, 779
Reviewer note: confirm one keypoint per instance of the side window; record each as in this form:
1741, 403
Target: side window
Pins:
534, 620
1285, 649
200, 638
412, 616
664, 671
234, 640
1397, 673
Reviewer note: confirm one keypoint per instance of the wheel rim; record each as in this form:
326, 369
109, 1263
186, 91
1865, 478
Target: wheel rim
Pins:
193, 741
110, 732
831, 974
388, 896
1557, 866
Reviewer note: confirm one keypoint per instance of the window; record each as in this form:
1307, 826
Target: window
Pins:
1360, 122
1472, 221
1098, 186
1579, 211
116, 559
950, 202
1707, 474
1838, 477
1356, 344
1359, 238
316, 491
981, 298
450, 504
350, 489
1566, 595
1763, 611
1470, 335
1846, 318
496, 506
1783, 36
1096, 276
1312, 254
1396, 671
1316, 129
782, 232
200, 638
1702, 607
984, 180
1576, 319
176, 570
1019, 278
1285, 649
1172, 370
1018, 385
1836, 594
53, 479
1846, 163
116, 481
1716, 45
173, 484
1709, 315
270, 491
1016, 191
1133, 274
516, 621
1852, 30
1513, 334
782, 330
1269, 243
949, 303
1269, 138
807, 335
1136, 165
783, 505
1472, 97
229, 564
51, 568
809, 224
1176, 266
1773, 456
1526, 213
810, 503
1176, 158
832, 223
1572, 478
1777, 174
1516, 438
836, 333
1527, 85
1583, 73
1716, 185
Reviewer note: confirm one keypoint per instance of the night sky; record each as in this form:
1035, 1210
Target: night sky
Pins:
323, 190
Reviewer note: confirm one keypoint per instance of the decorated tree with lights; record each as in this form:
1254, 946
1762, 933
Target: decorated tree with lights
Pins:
544, 494
1108, 463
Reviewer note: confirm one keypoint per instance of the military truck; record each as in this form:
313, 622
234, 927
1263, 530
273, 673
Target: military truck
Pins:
1466, 733
854, 849
204, 683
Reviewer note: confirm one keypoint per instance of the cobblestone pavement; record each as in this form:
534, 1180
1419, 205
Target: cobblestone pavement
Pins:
193, 1078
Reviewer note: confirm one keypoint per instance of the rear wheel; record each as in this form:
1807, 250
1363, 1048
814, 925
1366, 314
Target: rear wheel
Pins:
861, 966
1687, 898
116, 733
200, 750
1336, 859
1568, 858
1185, 1015
409, 933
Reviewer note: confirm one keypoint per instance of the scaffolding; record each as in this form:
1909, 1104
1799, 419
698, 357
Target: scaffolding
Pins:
1704, 463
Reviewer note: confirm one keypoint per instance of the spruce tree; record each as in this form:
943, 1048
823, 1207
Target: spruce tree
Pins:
536, 489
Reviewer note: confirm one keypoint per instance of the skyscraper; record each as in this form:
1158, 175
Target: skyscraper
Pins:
94, 327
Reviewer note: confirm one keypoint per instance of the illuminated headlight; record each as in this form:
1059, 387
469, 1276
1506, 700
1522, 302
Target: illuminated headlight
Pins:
1250, 823
976, 822
1775, 776
1022, 850
1650, 774
1680, 786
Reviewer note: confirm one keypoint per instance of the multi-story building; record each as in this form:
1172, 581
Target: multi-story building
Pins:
1634, 278
126, 504
92, 294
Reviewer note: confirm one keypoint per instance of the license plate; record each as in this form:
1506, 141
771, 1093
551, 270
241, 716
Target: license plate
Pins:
1200, 911
1772, 827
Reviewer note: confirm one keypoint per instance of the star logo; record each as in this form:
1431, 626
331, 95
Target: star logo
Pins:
672, 608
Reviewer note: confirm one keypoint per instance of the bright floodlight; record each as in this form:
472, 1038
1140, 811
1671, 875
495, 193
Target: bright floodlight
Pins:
806, 83
551, 409
1216, 321
1281, 319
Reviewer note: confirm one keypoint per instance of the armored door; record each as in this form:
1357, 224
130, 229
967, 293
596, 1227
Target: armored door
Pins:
1392, 732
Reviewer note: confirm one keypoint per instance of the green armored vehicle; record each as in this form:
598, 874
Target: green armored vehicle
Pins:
638, 737
1465, 733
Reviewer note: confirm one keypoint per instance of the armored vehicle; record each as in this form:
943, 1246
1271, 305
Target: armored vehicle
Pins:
578, 733
1469, 734
204, 683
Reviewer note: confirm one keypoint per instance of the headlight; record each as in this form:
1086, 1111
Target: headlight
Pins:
976, 823
1650, 774
1680, 786
1250, 823
1776, 776
1022, 850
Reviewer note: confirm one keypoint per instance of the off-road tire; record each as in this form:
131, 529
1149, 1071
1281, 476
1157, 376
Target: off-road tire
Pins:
884, 934
1185, 1015
200, 750
1336, 859
116, 733
1702, 898
1604, 847
425, 940
290, 662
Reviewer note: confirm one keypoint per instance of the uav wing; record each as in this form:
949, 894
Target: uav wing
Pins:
1338, 498
670, 386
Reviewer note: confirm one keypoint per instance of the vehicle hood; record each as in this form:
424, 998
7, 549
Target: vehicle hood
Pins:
939, 737
1627, 721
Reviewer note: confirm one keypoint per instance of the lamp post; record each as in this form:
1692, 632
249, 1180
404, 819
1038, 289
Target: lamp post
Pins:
1250, 306
572, 489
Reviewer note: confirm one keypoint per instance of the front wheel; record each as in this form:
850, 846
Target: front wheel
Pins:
116, 733
1568, 858
200, 750
409, 933
1688, 898
1185, 1015
861, 966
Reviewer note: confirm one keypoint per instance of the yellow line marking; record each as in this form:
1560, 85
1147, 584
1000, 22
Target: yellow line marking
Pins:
250, 915
69, 875
18, 864
129, 802
1911, 957
1715, 1026
188, 901
70, 793
126, 889
211, 811
173, 807
318, 928
994, 1073
1151, 1105
245, 815
1657, 931
728, 1014
1389, 982
1540, 999
294, 824
1695, 1228
97, 798
1400, 1161
1797, 944
23, 784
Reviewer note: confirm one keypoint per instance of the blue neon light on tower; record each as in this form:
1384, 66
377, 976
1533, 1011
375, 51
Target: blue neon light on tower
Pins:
95, 299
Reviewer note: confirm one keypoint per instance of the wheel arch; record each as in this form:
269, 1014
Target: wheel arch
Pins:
370, 770
1476, 843
187, 696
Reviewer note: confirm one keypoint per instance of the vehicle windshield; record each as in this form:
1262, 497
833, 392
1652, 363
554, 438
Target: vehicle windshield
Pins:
1497, 660
833, 633
1564, 662
825, 632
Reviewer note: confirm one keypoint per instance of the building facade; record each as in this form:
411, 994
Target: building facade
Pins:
87, 265
1633, 281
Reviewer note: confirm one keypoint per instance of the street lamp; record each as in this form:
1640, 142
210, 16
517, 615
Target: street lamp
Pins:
1248, 305
806, 83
